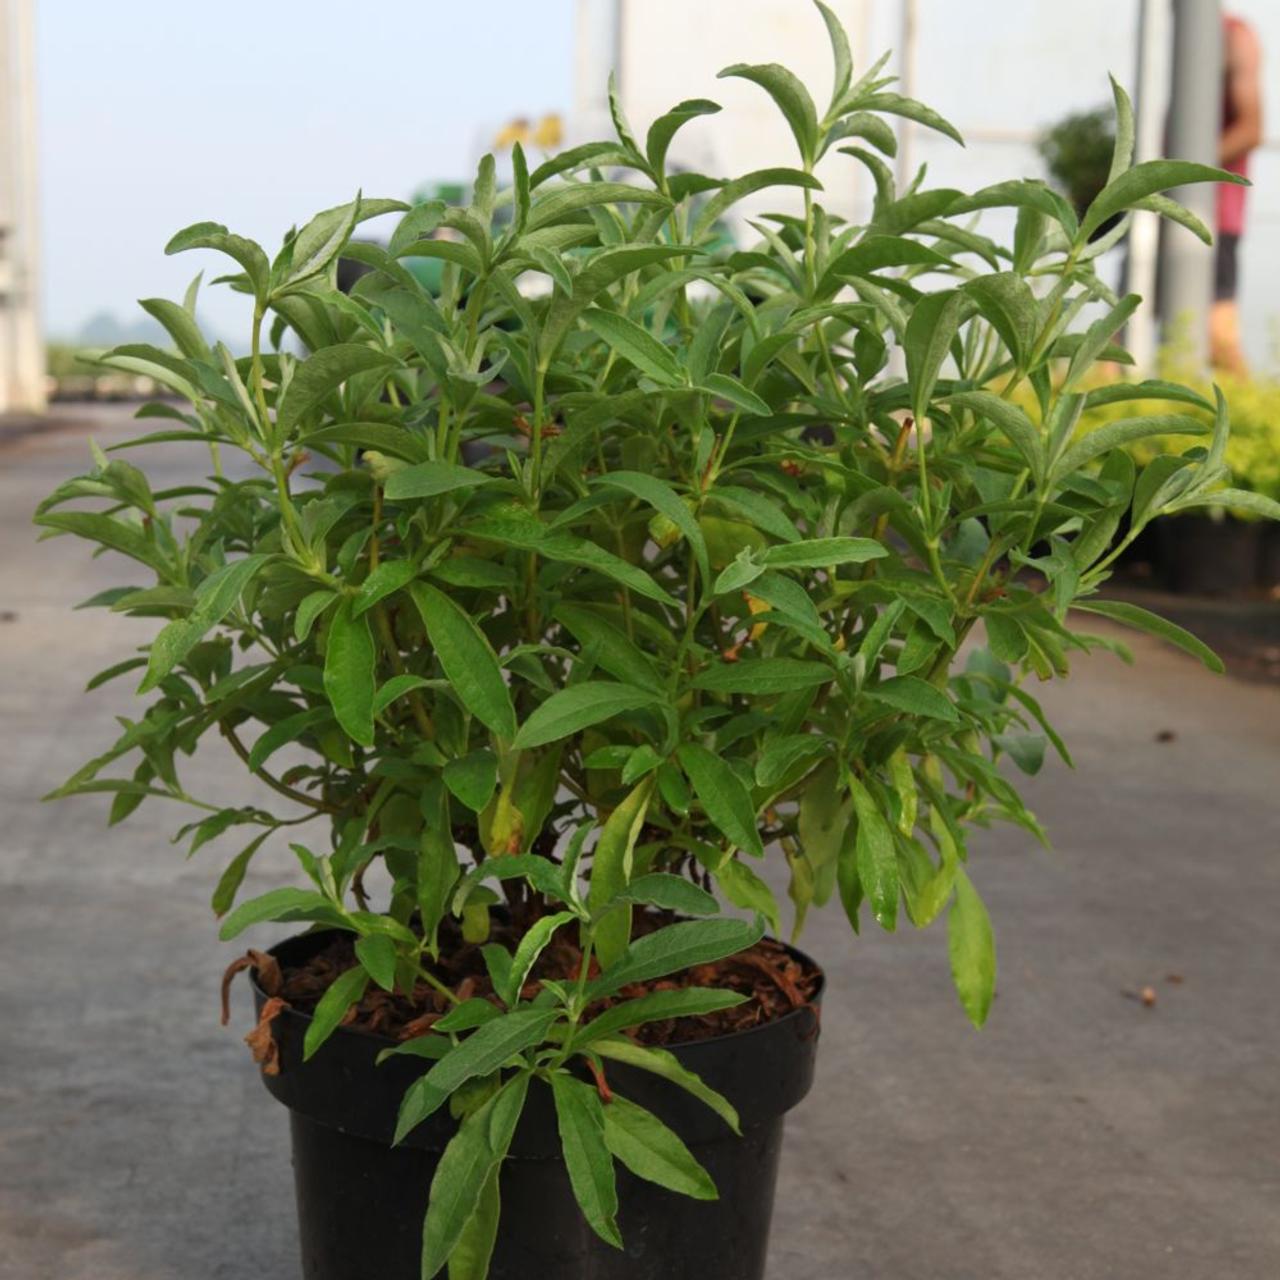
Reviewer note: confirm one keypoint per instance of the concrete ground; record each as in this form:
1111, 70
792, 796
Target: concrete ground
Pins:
1080, 1135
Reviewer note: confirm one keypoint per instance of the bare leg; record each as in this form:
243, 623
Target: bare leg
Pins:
1224, 338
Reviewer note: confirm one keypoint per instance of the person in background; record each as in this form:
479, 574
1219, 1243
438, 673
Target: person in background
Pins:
1241, 132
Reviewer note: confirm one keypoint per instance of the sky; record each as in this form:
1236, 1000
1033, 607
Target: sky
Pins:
155, 114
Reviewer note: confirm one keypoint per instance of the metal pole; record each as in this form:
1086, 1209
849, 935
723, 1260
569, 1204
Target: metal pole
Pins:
1144, 237
907, 86
21, 347
1195, 111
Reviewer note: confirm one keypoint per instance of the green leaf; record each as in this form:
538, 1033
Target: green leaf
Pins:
318, 377
395, 688
129, 539
1144, 180
467, 1016
876, 858
915, 697
1096, 338
332, 1008
666, 1065
764, 676
581, 1123
349, 680
664, 499
1122, 152
611, 870
429, 479
972, 946
1123, 431
224, 895
576, 707
840, 53
819, 553
747, 185
658, 1006
284, 731
562, 202
216, 596
1257, 504
792, 99
636, 345
387, 578
1131, 615
933, 324
310, 607
1005, 300
730, 389
469, 1161
673, 949
377, 953
472, 778
277, 904
895, 105
664, 128
1020, 431
875, 253
481, 1053
664, 890
467, 658
651, 1151
608, 646
212, 235
723, 797
472, 1254
528, 950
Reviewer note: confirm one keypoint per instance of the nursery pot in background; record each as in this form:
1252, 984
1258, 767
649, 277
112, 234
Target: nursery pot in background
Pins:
361, 1201
1207, 557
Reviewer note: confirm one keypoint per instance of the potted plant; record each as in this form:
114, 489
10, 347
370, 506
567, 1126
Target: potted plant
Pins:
552, 610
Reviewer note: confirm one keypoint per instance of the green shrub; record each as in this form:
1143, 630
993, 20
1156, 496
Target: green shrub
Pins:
634, 580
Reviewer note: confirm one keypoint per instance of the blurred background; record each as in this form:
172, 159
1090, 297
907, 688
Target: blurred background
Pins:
1120, 1116
120, 126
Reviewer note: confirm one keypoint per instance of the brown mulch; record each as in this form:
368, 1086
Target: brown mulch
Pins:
775, 982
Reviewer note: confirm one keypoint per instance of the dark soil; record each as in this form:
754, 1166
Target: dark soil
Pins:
773, 979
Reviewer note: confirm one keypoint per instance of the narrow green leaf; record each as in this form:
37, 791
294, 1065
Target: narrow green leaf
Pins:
764, 676
636, 345
651, 1151
569, 710
972, 946
664, 499
914, 696
666, 1065
377, 953
1147, 179
819, 553
528, 950
349, 680
1132, 615
723, 796
611, 870
482, 1052
675, 948
472, 778
318, 377
664, 890
469, 1161
581, 1123
467, 658
658, 1006
429, 479
792, 99
332, 1008
934, 322
877, 860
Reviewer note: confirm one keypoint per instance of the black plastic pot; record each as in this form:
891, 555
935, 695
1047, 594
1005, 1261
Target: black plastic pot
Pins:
361, 1201
1206, 557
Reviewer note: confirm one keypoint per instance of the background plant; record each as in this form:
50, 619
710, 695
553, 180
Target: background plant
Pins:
579, 598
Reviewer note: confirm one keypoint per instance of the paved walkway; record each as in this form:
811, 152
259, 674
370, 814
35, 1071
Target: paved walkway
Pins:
1080, 1136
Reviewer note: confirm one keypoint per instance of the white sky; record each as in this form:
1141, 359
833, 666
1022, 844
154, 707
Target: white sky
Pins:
158, 113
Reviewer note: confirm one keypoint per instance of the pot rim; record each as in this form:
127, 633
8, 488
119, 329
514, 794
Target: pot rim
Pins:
378, 1038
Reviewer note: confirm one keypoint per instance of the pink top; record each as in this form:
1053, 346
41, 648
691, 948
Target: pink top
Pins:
1230, 196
